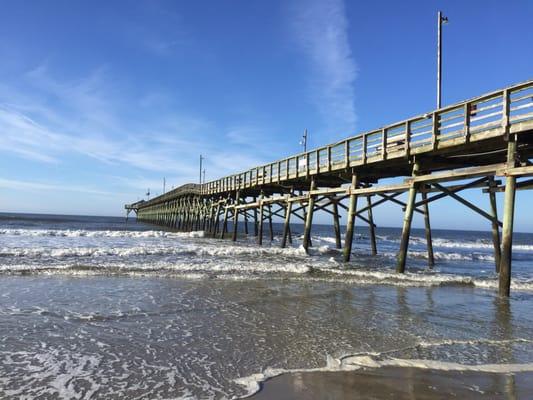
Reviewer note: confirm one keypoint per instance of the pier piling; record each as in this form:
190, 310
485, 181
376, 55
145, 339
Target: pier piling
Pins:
352, 210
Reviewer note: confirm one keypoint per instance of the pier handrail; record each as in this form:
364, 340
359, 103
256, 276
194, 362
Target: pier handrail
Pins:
472, 119
492, 114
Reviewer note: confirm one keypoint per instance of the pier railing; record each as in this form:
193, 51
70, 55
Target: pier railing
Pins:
494, 114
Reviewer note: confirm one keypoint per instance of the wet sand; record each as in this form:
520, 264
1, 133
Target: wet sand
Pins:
397, 383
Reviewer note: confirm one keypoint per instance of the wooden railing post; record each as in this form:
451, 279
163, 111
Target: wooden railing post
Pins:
346, 153
467, 111
506, 113
364, 146
435, 130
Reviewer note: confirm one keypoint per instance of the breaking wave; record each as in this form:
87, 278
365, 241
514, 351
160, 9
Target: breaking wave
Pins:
75, 233
182, 249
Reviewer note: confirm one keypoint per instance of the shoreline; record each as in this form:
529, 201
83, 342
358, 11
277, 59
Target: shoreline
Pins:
396, 383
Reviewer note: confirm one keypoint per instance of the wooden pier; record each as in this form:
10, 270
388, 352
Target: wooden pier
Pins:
484, 143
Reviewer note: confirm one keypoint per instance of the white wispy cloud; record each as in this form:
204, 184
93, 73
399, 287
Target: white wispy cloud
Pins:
320, 29
49, 121
15, 184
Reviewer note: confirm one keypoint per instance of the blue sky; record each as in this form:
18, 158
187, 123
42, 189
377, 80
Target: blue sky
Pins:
101, 100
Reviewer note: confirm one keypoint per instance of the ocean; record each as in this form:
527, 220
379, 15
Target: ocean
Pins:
94, 307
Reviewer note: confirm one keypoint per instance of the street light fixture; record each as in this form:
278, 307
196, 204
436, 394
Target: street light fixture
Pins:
441, 19
303, 142
201, 160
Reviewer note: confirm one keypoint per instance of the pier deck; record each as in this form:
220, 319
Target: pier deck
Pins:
477, 142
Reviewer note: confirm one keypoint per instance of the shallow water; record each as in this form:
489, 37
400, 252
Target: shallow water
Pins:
99, 310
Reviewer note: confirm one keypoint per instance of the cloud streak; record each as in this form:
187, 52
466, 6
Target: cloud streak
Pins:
320, 30
49, 121
13, 184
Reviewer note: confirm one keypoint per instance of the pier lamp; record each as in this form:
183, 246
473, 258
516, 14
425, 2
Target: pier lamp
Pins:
441, 20
303, 142
202, 158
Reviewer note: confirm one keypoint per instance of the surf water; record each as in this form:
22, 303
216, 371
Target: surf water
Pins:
91, 307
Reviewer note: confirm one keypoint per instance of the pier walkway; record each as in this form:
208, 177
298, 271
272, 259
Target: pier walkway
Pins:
484, 143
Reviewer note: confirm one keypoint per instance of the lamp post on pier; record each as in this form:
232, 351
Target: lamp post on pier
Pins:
201, 160
303, 142
441, 19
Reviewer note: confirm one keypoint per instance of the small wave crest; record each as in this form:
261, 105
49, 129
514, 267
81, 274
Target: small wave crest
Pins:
75, 233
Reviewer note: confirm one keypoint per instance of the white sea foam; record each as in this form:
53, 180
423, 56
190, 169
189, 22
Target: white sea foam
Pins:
184, 269
445, 256
479, 244
97, 234
147, 249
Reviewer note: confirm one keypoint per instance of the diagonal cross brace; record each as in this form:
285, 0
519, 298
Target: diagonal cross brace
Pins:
466, 203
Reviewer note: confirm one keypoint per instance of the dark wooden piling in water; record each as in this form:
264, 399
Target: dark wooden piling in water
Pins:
494, 224
336, 225
508, 219
407, 219
309, 217
261, 219
427, 228
287, 223
235, 216
352, 210
371, 227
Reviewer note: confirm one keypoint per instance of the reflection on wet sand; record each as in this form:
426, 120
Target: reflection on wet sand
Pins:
397, 384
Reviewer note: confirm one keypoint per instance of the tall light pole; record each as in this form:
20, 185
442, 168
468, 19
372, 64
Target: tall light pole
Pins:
164, 184
440, 21
201, 160
303, 142
203, 172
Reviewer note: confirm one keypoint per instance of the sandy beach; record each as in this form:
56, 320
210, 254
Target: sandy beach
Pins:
397, 383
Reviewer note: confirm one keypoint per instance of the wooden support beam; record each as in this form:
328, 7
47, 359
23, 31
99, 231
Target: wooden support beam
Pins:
427, 226
523, 185
452, 189
217, 219
255, 219
286, 225
351, 220
473, 207
464, 173
495, 227
377, 203
399, 202
371, 227
270, 228
236, 216
246, 222
408, 217
261, 219
504, 285
397, 188
309, 217
336, 225
225, 223
516, 171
